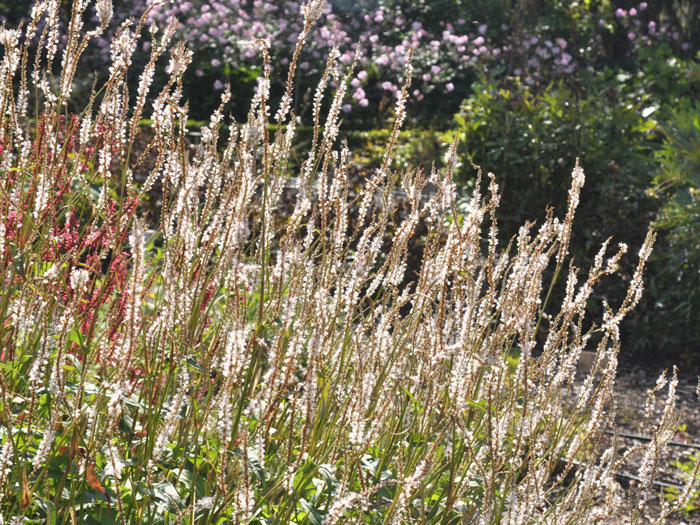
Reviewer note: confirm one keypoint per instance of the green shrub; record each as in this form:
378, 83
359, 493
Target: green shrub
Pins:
538, 133
674, 293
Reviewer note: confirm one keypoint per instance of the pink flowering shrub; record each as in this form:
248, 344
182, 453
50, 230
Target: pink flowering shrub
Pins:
452, 42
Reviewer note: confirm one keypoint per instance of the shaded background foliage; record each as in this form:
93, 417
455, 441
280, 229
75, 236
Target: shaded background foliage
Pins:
527, 86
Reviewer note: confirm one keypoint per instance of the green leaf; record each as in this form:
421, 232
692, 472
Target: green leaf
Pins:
649, 110
166, 496
314, 516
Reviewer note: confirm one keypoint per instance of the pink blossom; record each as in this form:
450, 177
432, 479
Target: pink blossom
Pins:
435, 69
364, 102
362, 75
374, 39
633, 12
642, 6
449, 87
482, 29
619, 12
427, 77
359, 94
479, 41
435, 44
347, 108
382, 60
355, 82
676, 35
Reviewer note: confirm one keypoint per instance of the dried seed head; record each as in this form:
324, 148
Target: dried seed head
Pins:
9, 38
180, 58
104, 11
312, 10
78, 279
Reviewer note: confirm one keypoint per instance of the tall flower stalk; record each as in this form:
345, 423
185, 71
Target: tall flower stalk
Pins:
256, 349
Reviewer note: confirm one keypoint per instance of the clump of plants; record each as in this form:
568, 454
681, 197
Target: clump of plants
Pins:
236, 359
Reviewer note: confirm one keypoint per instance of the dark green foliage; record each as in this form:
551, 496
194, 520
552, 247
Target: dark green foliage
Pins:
532, 138
675, 290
